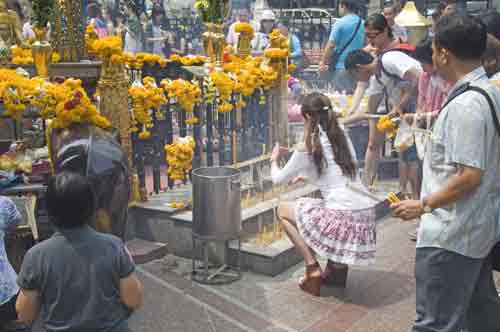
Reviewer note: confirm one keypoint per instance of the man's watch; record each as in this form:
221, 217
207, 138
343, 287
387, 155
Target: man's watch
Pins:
425, 207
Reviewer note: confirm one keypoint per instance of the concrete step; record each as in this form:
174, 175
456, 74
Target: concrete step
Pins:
144, 251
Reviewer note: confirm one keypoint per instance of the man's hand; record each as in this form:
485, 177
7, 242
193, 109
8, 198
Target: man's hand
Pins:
408, 209
409, 118
395, 112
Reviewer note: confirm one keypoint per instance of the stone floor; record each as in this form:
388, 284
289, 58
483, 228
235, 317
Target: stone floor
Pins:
377, 299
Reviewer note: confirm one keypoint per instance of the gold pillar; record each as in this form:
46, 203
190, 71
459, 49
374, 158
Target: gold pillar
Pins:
280, 101
114, 105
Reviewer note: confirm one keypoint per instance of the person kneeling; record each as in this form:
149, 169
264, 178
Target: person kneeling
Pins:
341, 225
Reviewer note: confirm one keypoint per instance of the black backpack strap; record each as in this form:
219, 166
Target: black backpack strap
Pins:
491, 103
382, 68
467, 87
351, 39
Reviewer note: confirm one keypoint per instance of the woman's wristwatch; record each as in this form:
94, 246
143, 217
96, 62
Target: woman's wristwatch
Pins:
425, 206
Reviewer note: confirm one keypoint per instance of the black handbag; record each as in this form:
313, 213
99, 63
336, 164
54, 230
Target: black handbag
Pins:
336, 55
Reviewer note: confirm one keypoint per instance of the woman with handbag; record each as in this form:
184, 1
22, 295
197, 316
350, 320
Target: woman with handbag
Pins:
348, 34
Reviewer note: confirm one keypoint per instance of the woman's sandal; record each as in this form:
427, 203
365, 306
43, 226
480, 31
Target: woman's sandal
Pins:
335, 274
311, 284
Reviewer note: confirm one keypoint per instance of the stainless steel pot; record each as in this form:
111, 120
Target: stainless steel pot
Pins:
216, 203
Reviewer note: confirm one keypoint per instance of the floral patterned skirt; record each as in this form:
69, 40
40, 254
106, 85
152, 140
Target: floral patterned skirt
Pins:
343, 236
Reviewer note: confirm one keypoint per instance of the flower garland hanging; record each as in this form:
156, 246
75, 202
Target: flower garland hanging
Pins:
179, 157
244, 28
109, 47
145, 97
65, 103
16, 91
276, 53
24, 56
184, 93
189, 60
225, 87
74, 107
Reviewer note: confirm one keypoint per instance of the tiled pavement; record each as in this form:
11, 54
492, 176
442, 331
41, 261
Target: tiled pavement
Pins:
377, 299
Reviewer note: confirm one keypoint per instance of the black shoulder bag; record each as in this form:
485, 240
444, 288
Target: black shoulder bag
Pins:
495, 253
336, 55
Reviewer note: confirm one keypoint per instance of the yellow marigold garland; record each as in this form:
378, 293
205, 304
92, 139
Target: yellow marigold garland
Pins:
179, 156
190, 60
22, 56
244, 27
145, 97
184, 93
386, 125
276, 53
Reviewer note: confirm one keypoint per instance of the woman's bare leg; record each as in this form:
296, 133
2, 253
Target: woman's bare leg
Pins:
414, 178
286, 215
372, 156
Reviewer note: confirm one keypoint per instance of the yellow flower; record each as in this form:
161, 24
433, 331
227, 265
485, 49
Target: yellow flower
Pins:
144, 134
386, 125
186, 94
244, 28
276, 53
192, 121
179, 157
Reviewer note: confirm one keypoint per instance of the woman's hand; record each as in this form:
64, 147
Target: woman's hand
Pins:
299, 179
276, 153
409, 118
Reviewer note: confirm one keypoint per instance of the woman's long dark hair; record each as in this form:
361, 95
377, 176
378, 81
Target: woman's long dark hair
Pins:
318, 112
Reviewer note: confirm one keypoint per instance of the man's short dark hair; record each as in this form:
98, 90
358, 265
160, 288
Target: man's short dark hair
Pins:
490, 52
461, 34
356, 58
70, 200
423, 51
491, 19
351, 5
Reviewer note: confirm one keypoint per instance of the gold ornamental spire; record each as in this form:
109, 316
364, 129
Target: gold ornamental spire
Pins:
416, 24
411, 17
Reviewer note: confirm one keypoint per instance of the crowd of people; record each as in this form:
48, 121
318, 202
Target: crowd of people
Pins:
447, 85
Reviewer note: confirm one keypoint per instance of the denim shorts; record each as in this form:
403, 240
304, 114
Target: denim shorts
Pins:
409, 155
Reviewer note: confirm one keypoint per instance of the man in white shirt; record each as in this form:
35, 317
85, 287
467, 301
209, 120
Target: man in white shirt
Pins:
393, 78
460, 201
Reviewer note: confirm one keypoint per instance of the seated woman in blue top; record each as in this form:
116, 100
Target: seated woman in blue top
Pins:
9, 218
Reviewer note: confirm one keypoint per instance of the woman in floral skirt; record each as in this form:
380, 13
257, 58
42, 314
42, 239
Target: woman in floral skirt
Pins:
341, 225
